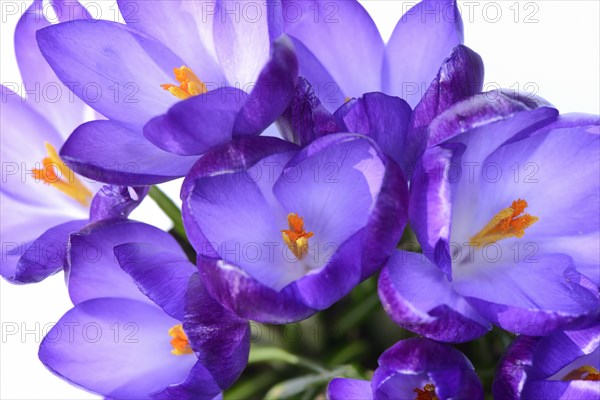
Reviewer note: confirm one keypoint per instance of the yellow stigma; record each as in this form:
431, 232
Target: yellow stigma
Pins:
189, 84
585, 373
507, 223
57, 174
296, 237
427, 393
347, 99
180, 342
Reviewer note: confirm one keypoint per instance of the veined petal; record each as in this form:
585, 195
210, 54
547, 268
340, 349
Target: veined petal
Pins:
272, 91
418, 297
220, 338
422, 39
195, 125
47, 255
47, 94
508, 294
242, 39
101, 150
355, 60
346, 389
381, 117
116, 202
306, 119
161, 273
186, 27
94, 271
112, 67
118, 348
459, 77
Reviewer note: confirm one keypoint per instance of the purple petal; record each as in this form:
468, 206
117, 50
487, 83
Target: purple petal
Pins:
102, 150
183, 26
94, 271
552, 156
382, 118
248, 298
306, 119
113, 68
512, 369
464, 143
58, 104
238, 154
448, 369
199, 385
161, 274
221, 339
459, 77
194, 126
272, 91
242, 39
524, 369
430, 206
355, 61
22, 124
508, 294
116, 202
555, 352
21, 225
563, 390
47, 254
418, 297
349, 389
118, 348
326, 88
421, 40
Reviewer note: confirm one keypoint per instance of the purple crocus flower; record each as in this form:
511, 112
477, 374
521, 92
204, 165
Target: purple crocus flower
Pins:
399, 131
342, 54
302, 227
563, 365
504, 205
235, 75
411, 369
134, 332
42, 199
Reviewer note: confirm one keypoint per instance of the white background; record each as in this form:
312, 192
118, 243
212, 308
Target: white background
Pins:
550, 46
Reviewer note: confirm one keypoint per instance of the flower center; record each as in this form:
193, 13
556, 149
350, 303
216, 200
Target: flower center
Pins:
585, 373
507, 223
427, 393
189, 84
57, 174
180, 342
296, 237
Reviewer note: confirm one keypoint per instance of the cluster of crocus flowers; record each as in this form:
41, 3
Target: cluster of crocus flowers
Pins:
277, 229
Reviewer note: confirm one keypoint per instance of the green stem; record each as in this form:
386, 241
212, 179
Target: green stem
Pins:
268, 354
169, 208
356, 315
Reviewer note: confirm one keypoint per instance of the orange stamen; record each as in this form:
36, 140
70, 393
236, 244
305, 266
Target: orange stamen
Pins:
180, 342
296, 237
56, 173
507, 223
585, 373
427, 393
189, 84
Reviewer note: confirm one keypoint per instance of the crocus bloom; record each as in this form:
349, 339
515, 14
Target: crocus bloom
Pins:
302, 227
42, 199
133, 332
235, 76
414, 369
353, 58
563, 365
504, 205
399, 131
